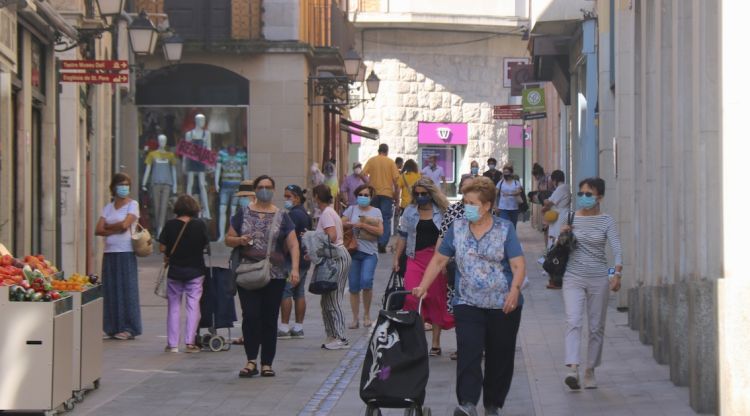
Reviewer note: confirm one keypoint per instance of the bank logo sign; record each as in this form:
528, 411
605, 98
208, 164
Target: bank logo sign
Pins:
533, 100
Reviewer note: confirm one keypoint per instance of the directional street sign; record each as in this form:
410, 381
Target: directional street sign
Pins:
94, 78
96, 65
507, 112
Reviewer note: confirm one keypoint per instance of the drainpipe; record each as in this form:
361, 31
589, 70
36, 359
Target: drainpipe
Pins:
589, 150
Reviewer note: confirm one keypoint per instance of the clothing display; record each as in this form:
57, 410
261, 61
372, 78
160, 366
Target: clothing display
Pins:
218, 121
161, 163
232, 167
194, 165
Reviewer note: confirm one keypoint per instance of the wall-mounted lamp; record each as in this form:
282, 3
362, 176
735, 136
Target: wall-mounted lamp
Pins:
172, 48
143, 35
110, 7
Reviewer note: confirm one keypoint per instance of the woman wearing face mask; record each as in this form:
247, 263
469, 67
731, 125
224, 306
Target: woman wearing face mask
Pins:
586, 285
487, 307
122, 310
351, 182
367, 222
508, 189
474, 173
418, 233
330, 303
294, 201
250, 229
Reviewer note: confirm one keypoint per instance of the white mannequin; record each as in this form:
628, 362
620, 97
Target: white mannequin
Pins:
160, 191
232, 151
202, 134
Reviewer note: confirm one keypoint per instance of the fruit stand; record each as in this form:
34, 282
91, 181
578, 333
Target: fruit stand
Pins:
52, 326
36, 353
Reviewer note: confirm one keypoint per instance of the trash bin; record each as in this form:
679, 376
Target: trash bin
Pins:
88, 310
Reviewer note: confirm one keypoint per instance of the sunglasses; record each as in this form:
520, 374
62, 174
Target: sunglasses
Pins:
367, 195
588, 194
421, 194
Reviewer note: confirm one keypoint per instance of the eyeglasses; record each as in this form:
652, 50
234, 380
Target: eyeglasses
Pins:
264, 187
588, 194
367, 195
421, 194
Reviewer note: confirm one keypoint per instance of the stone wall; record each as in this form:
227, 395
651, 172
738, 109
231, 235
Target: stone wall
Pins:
436, 76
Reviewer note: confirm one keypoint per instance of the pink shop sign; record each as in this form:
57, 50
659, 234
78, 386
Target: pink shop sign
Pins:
443, 133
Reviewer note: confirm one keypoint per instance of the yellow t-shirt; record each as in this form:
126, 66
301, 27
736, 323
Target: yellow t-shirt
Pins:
405, 186
160, 155
383, 173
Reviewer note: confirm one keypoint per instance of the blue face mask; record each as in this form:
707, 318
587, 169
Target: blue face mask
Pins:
288, 204
422, 200
363, 201
471, 212
122, 190
264, 195
244, 202
586, 202
474, 170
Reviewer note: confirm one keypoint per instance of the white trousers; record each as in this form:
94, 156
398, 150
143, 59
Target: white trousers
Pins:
589, 295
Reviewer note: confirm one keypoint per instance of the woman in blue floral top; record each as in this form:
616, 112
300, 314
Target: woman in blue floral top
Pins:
488, 301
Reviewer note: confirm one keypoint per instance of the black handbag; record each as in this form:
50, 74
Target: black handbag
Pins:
395, 284
556, 260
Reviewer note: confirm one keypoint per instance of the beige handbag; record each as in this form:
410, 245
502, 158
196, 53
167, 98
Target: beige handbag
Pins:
143, 245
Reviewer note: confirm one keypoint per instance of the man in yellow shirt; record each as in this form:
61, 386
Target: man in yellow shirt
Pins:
383, 175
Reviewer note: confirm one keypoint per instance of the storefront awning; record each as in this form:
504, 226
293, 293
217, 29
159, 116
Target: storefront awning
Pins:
359, 130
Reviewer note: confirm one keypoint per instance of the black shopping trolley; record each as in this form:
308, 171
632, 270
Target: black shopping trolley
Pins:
396, 366
217, 309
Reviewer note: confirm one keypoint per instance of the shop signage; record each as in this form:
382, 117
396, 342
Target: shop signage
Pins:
94, 78
534, 116
443, 133
109, 65
520, 75
533, 100
519, 137
508, 65
196, 152
507, 112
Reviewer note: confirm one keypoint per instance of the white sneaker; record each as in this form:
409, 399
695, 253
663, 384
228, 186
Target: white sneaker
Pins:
171, 349
589, 381
339, 344
572, 381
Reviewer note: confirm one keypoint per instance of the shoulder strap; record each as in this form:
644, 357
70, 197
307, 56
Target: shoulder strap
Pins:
179, 237
272, 232
571, 216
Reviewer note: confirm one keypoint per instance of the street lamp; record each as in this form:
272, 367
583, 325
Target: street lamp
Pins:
173, 48
110, 7
351, 63
373, 83
143, 35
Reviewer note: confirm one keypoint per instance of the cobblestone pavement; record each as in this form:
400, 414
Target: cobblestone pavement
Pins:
140, 379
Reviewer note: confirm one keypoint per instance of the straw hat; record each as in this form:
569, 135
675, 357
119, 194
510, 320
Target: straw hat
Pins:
246, 189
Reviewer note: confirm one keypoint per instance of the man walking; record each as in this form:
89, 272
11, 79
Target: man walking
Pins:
435, 172
492, 171
383, 175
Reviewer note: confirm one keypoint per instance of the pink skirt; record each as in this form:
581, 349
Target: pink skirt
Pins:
435, 304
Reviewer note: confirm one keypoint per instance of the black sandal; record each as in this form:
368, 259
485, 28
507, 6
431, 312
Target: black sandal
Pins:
249, 371
434, 352
267, 372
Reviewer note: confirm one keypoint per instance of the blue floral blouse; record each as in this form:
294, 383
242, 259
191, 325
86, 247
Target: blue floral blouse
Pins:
483, 274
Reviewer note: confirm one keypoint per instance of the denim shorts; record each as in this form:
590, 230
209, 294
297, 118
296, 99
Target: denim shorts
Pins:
362, 271
227, 193
297, 292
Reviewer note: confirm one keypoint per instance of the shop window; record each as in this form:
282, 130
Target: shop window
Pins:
207, 148
446, 161
38, 66
36, 180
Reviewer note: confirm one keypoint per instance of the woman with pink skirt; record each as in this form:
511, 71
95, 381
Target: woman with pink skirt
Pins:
418, 233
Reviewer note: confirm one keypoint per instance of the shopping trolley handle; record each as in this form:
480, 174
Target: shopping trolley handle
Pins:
404, 293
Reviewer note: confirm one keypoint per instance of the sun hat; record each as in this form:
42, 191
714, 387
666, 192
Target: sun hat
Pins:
245, 189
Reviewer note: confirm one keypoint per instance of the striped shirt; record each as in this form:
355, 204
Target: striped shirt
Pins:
589, 258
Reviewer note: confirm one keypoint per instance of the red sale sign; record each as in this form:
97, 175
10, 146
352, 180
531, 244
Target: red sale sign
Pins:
196, 152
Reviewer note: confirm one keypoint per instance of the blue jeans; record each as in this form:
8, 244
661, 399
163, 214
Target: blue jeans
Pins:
362, 271
510, 215
385, 205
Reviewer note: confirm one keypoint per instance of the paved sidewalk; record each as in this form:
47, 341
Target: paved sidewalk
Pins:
140, 379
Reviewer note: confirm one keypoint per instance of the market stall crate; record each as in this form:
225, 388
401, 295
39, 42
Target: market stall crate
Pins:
36, 351
88, 310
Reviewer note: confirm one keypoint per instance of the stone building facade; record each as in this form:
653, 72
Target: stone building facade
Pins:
450, 76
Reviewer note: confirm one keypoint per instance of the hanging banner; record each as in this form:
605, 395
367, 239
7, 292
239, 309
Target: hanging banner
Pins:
533, 100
